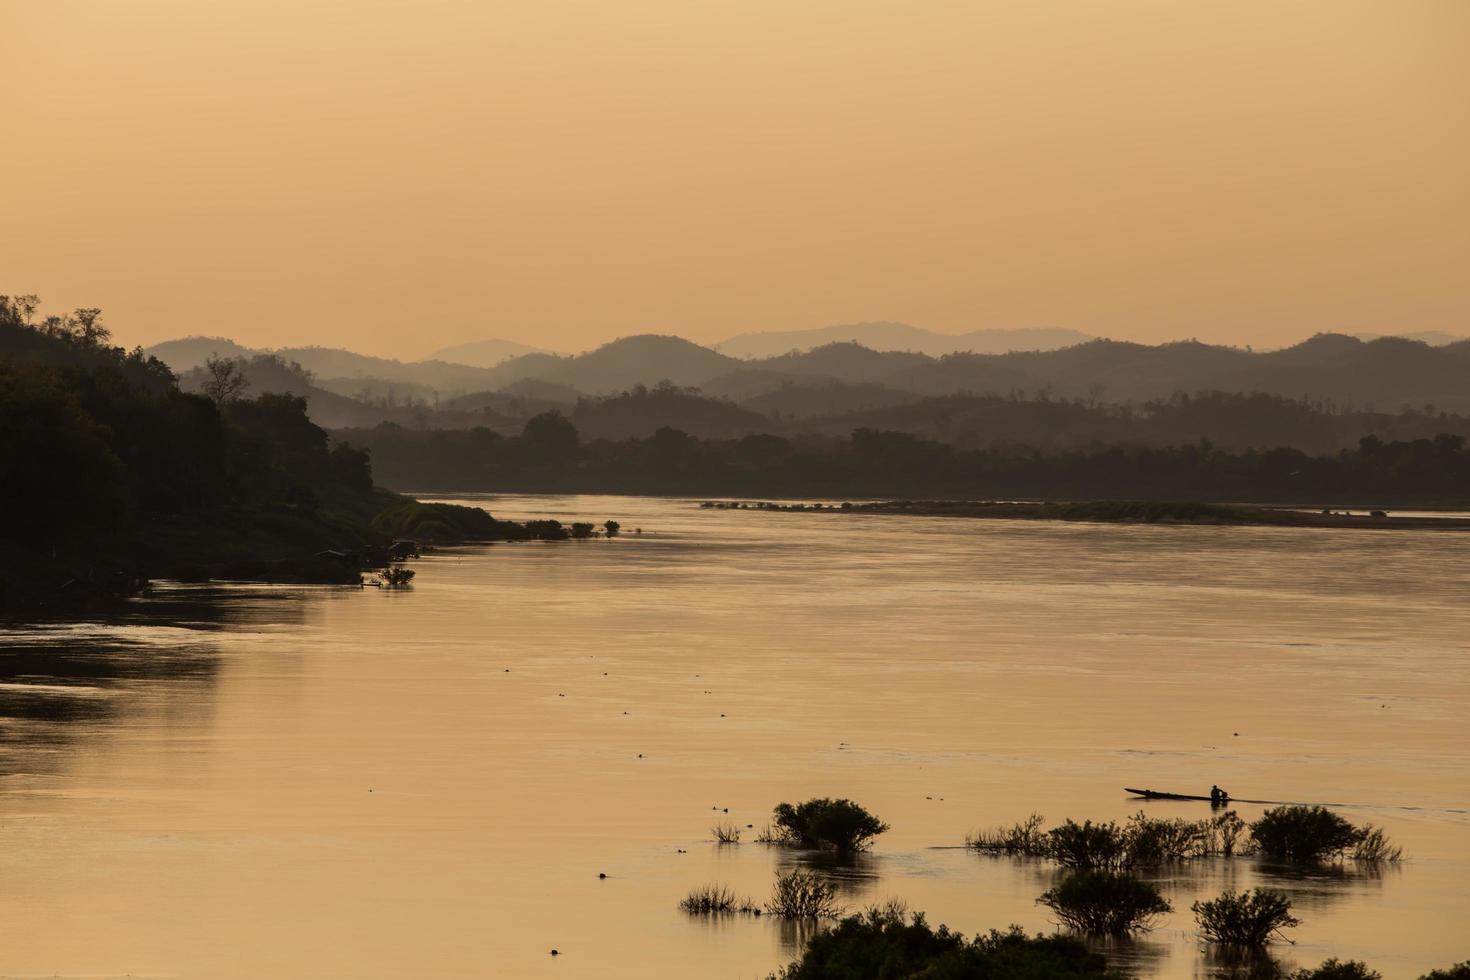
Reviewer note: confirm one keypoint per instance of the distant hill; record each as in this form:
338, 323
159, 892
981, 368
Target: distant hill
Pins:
645, 359
1335, 370
187, 353
485, 353
1434, 338
346, 370
888, 336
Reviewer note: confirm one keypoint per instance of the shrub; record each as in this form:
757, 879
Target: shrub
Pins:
396, 576
725, 833
824, 822
1460, 971
803, 895
1304, 833
710, 900
1151, 841
1025, 838
884, 944
1335, 969
1224, 835
1375, 845
1247, 919
1089, 845
1102, 903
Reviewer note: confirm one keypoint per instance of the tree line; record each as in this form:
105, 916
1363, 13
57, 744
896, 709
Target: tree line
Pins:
550, 455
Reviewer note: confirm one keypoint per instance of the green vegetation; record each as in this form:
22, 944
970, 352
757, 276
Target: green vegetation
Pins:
839, 824
1248, 919
888, 945
1104, 903
1460, 971
803, 895
1312, 833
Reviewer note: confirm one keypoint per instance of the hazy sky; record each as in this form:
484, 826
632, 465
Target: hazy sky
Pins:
395, 177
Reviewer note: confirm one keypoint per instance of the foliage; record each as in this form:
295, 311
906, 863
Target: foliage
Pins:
1105, 903
1025, 838
1375, 845
416, 520
888, 945
725, 833
1335, 969
711, 900
396, 576
803, 895
1311, 833
824, 822
1089, 845
1107, 463
1460, 971
1249, 919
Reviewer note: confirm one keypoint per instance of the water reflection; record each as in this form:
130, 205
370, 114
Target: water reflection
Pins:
335, 769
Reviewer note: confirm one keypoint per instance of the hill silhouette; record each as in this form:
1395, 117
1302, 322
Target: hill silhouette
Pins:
886, 335
485, 353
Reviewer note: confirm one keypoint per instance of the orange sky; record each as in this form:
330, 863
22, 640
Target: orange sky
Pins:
396, 177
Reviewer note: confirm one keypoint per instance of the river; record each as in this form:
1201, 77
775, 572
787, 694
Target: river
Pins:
249, 781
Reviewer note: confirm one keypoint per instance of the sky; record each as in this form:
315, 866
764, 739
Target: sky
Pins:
398, 177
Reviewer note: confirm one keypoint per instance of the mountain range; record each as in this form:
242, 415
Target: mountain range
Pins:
845, 377
886, 335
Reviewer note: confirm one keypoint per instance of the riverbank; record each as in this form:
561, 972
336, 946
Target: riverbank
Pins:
277, 544
1117, 512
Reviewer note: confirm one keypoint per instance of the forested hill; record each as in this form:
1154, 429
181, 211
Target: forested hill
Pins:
111, 473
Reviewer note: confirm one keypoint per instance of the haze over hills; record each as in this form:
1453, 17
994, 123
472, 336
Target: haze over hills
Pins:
339, 370
886, 335
1434, 338
836, 379
485, 353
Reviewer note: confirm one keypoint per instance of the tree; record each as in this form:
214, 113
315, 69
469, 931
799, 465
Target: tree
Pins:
551, 434
224, 380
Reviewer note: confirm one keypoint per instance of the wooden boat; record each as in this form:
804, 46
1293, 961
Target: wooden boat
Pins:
1149, 794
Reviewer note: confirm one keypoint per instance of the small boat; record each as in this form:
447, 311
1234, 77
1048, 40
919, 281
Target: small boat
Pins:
1149, 794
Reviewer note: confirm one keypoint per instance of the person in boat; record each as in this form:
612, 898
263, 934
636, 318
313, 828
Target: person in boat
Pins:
1218, 795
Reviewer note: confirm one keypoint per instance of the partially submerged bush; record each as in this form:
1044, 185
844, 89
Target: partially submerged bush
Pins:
840, 824
884, 944
1090, 845
1102, 903
396, 576
1025, 838
1152, 841
1335, 969
1224, 835
1246, 919
803, 895
1311, 833
1143, 842
1375, 845
711, 900
725, 833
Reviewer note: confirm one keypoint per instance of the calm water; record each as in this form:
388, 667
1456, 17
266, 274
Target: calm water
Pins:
250, 781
